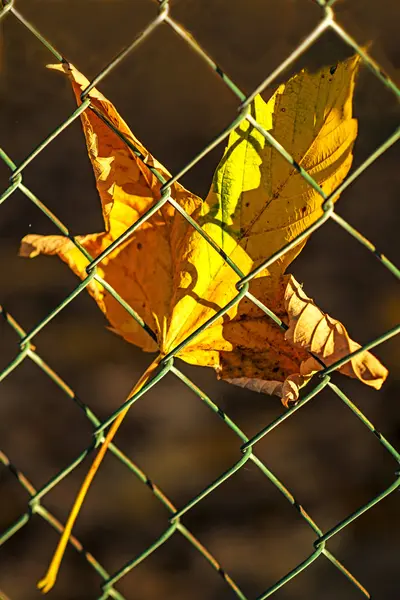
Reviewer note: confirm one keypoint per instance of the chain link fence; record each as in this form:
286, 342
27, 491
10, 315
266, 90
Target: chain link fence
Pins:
247, 446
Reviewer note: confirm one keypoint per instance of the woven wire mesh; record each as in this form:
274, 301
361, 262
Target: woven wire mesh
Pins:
247, 446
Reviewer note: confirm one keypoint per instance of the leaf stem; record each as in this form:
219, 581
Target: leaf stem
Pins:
49, 580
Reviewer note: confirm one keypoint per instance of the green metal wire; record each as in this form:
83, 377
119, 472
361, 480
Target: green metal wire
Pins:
246, 446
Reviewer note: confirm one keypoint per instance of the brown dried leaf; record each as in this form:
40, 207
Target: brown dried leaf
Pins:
312, 330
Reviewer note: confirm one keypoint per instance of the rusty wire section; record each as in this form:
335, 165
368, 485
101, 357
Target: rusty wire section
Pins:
246, 446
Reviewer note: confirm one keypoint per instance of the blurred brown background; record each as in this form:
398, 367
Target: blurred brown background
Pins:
324, 455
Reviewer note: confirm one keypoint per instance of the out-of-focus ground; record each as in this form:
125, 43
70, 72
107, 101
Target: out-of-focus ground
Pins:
176, 105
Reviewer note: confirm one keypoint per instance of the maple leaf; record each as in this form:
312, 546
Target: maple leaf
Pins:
171, 276
176, 281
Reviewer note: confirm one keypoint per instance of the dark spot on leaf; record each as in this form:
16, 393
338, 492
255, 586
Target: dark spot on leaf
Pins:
139, 246
247, 204
332, 71
275, 369
283, 109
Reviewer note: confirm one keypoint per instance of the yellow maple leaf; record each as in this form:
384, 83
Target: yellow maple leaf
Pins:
176, 281
169, 274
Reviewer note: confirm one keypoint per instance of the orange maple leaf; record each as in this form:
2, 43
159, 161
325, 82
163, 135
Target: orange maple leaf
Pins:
176, 281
